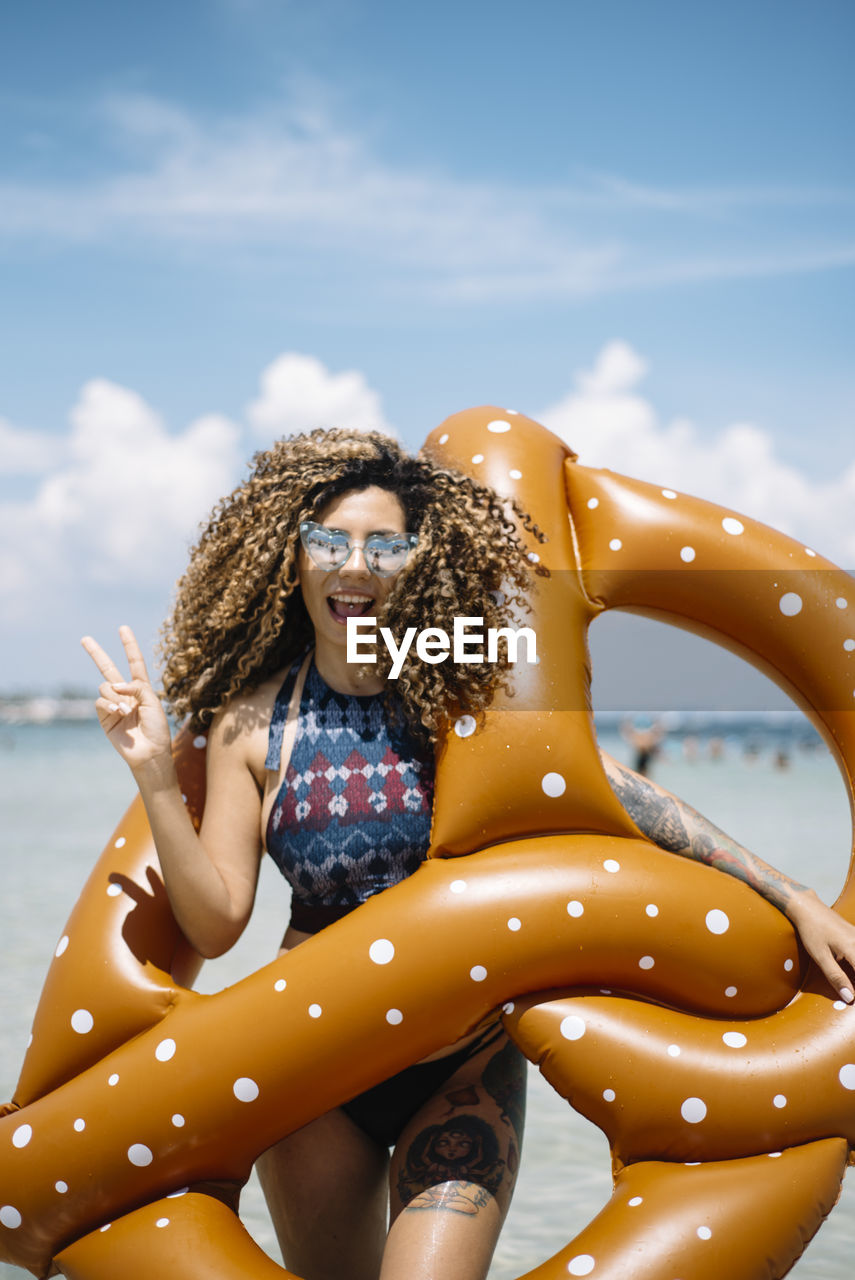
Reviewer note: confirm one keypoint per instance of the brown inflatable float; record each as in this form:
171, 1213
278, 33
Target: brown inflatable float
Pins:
664, 1000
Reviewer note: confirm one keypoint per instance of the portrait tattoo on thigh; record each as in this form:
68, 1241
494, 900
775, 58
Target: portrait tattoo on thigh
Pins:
464, 1149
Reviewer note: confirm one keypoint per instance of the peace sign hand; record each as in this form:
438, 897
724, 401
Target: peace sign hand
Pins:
129, 710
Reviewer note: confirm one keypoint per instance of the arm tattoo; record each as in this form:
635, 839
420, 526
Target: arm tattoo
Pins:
676, 826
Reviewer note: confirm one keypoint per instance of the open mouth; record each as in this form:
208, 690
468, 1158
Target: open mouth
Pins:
350, 605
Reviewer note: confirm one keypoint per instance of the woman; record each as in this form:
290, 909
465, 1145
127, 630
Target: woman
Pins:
328, 766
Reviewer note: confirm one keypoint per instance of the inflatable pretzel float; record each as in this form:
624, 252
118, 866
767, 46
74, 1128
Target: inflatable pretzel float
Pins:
665, 1000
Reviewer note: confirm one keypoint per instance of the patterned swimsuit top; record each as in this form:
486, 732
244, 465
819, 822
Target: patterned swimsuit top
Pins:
352, 816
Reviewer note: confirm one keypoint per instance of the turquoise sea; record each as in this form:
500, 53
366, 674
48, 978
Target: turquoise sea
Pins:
62, 791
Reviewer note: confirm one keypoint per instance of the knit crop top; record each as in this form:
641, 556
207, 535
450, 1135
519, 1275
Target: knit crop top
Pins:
352, 816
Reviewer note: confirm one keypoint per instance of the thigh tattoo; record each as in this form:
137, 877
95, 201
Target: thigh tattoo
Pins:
464, 1149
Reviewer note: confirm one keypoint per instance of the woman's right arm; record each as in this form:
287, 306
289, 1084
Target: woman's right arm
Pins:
211, 877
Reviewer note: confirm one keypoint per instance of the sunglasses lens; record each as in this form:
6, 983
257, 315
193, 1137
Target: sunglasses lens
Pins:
326, 550
386, 555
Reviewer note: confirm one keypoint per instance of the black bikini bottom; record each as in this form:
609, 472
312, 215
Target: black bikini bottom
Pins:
384, 1111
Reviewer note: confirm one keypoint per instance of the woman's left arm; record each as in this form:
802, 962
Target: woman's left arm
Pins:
674, 825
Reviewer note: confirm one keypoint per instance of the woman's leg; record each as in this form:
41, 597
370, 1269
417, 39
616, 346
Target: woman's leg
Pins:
326, 1189
454, 1169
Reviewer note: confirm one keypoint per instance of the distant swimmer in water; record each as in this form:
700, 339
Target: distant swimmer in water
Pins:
645, 743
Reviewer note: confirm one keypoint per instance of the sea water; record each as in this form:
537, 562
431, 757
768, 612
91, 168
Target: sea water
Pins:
62, 791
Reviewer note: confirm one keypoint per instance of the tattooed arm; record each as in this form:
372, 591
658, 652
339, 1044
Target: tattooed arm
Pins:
676, 826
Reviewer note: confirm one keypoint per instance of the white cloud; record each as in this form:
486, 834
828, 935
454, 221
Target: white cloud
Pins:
118, 497
24, 451
298, 393
119, 504
609, 423
289, 181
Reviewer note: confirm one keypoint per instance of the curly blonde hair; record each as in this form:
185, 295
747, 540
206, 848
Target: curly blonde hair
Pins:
238, 616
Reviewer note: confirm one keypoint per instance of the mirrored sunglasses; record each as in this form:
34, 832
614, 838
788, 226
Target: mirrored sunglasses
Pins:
330, 549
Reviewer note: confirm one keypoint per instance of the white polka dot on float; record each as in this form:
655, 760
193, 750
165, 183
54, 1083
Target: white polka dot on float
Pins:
464, 727
841, 603
245, 1089
280, 984
457, 886
315, 1010
693, 1110
735, 1039
200, 741
443, 439
381, 951
79, 1125
477, 457
10, 1217
635, 1201
514, 924
790, 604
113, 1080
615, 544
673, 1051
553, 785
717, 921
687, 554
732, 526
572, 1027
177, 1121
61, 946
114, 890
704, 1233
394, 1017
477, 973
82, 1021
646, 962
846, 1075
575, 909
593, 503
779, 1101
165, 1050
60, 1187
611, 865
609, 1095
140, 1155
668, 493
162, 1222
515, 474
651, 910
498, 426
730, 992
22, 1135
849, 645
582, 1265
120, 843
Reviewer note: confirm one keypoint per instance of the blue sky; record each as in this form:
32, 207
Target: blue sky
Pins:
632, 215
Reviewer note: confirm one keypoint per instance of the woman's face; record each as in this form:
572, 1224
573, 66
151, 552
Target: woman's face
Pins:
351, 590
